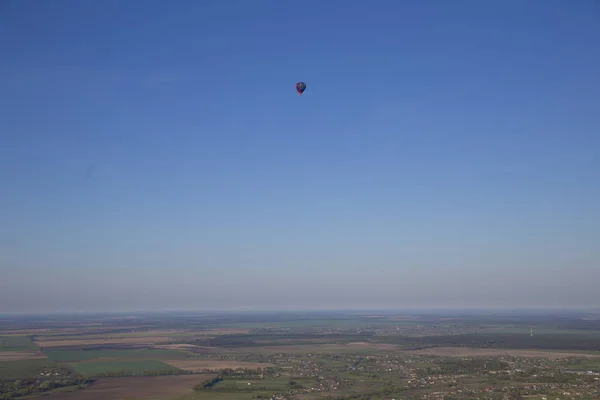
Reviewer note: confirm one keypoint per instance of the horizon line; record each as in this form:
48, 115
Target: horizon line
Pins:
261, 310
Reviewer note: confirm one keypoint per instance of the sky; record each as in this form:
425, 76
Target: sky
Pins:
155, 155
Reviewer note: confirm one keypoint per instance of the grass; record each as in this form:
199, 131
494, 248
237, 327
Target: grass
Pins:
232, 388
86, 355
23, 369
207, 395
17, 343
133, 367
237, 384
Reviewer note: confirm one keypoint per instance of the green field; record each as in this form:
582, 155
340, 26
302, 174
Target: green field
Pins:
22, 369
269, 384
85, 355
232, 388
108, 336
16, 343
207, 395
134, 367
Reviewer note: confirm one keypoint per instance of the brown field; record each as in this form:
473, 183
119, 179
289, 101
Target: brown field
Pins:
155, 387
285, 342
317, 348
201, 365
473, 352
180, 346
192, 348
124, 335
81, 329
146, 340
38, 331
20, 355
377, 346
224, 331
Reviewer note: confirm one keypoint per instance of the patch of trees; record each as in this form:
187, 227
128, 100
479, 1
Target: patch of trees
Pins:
208, 384
20, 388
294, 385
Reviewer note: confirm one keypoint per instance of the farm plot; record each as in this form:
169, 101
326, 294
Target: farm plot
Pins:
86, 335
473, 352
141, 341
253, 385
155, 388
191, 348
354, 348
16, 343
23, 369
128, 367
85, 355
201, 365
247, 389
20, 355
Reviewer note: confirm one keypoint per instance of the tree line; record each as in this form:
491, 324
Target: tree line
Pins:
20, 388
207, 384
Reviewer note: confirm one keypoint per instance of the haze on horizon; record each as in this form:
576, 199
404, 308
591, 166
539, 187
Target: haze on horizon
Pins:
156, 156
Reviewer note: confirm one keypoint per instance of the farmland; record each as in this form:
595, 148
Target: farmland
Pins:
202, 365
23, 369
159, 387
20, 355
84, 355
487, 352
127, 367
135, 340
16, 343
299, 356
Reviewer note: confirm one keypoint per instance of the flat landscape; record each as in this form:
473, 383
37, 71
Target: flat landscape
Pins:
302, 356
159, 387
139, 340
20, 355
202, 365
479, 352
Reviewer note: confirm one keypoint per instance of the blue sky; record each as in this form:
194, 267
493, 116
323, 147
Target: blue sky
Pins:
155, 154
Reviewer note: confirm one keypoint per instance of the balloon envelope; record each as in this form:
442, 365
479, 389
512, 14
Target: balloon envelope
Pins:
300, 87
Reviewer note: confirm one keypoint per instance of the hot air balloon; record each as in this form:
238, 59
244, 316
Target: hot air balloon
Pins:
300, 87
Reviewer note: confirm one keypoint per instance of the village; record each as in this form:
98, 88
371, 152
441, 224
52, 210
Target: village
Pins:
429, 377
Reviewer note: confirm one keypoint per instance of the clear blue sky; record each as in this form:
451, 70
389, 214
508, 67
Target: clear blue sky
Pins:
155, 154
